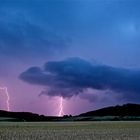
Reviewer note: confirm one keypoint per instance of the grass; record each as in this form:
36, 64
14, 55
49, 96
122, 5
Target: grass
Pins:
70, 131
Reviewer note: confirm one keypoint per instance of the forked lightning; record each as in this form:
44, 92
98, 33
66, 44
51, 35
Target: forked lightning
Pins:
7, 97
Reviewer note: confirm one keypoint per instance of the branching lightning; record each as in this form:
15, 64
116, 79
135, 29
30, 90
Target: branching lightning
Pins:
7, 97
61, 111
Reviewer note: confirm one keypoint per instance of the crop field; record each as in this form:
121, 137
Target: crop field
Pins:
70, 131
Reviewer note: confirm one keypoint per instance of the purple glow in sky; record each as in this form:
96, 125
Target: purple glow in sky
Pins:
84, 51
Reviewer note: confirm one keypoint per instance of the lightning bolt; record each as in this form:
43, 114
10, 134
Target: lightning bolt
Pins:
61, 112
7, 97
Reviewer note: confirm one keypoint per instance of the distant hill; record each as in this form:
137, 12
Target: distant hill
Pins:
124, 110
24, 116
115, 113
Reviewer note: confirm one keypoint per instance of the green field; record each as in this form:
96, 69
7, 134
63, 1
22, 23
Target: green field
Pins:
70, 131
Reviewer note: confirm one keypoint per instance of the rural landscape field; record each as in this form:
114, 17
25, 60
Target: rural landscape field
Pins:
70, 130
70, 70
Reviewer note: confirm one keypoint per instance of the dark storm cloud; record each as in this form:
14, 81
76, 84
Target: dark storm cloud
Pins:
28, 38
21, 32
74, 75
26, 25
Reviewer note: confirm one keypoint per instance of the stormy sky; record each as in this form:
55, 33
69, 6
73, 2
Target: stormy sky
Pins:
86, 51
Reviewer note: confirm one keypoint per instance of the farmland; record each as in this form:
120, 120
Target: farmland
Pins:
70, 130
